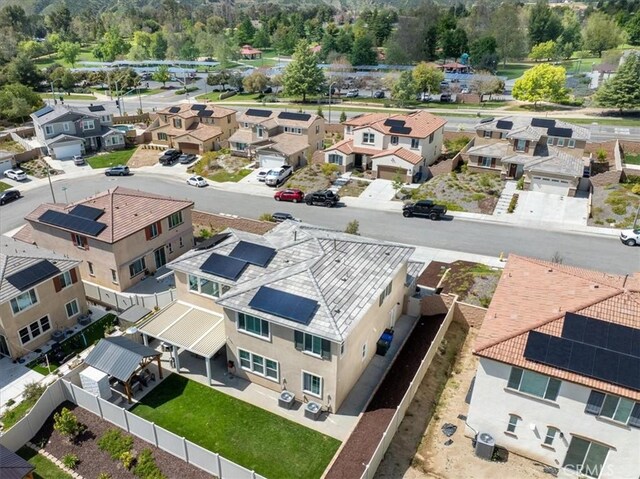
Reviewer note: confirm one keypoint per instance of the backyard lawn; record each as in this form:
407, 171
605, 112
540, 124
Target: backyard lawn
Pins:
252, 437
632, 159
44, 468
111, 159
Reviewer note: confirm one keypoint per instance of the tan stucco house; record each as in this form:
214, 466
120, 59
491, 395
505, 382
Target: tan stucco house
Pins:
40, 292
121, 235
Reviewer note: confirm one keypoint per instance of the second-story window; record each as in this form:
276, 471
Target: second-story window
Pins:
23, 301
88, 125
317, 129
251, 324
259, 132
550, 141
368, 138
153, 230
394, 140
312, 344
206, 286
65, 279
79, 240
415, 143
487, 134
162, 136
175, 219
619, 409
560, 141
48, 130
572, 143
386, 292
521, 145
349, 130
533, 383
177, 122
66, 126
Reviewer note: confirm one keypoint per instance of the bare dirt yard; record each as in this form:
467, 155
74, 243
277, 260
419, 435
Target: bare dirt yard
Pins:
354, 188
207, 224
312, 177
615, 205
144, 157
221, 166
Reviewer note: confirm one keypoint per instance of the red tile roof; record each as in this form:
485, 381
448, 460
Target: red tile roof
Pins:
534, 295
422, 123
346, 146
249, 50
401, 153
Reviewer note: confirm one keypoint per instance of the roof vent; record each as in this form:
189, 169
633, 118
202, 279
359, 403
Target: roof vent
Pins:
343, 279
337, 260
336, 311
596, 286
550, 270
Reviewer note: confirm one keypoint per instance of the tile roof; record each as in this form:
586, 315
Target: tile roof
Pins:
287, 143
16, 256
347, 147
553, 161
201, 132
527, 133
25, 234
242, 135
494, 150
343, 273
401, 153
126, 211
520, 122
421, 123
534, 295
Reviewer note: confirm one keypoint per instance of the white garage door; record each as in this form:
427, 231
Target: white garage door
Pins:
549, 185
268, 161
5, 165
66, 151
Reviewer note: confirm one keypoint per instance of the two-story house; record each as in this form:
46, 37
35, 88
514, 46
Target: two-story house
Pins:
389, 145
277, 138
40, 292
558, 377
65, 131
549, 153
121, 235
193, 128
299, 308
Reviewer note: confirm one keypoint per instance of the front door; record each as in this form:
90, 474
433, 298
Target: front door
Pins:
513, 169
357, 161
4, 347
160, 257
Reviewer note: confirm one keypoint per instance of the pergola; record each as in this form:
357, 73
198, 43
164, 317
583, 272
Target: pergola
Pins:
122, 359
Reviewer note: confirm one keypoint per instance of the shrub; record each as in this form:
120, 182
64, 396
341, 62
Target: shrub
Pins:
114, 443
636, 189
127, 458
352, 227
520, 183
329, 168
104, 475
67, 424
601, 155
10, 403
266, 217
146, 467
619, 209
456, 144
70, 461
343, 116
33, 391
513, 203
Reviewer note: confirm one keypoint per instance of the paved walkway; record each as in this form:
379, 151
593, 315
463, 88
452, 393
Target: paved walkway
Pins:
502, 207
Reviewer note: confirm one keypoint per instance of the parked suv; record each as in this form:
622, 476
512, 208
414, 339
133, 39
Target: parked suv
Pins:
120, 170
8, 196
322, 197
424, 208
170, 156
277, 176
630, 237
290, 194
16, 174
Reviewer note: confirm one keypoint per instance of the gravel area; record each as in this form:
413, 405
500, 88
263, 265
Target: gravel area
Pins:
216, 223
93, 461
361, 445
614, 206
309, 178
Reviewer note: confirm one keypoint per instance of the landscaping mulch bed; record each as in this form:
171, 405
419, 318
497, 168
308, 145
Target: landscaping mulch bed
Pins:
93, 461
361, 445
216, 223
309, 178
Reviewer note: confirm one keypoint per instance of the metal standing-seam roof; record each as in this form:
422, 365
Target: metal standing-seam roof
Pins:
119, 357
13, 466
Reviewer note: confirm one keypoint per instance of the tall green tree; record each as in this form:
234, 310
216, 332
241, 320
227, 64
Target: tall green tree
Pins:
162, 75
622, 90
59, 19
158, 47
13, 98
69, 52
245, 31
454, 43
188, 50
543, 51
601, 33
483, 52
302, 76
112, 45
633, 29
544, 23
363, 52
255, 82
543, 82
427, 78
404, 89
22, 70
511, 41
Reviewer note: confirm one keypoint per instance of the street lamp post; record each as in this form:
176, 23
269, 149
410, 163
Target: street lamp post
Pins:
330, 95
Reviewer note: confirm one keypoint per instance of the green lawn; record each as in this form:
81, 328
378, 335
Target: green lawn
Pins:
73, 96
252, 437
86, 55
224, 176
513, 70
45, 469
4, 186
12, 416
111, 159
632, 159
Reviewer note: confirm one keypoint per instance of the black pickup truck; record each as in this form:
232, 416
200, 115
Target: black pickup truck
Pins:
322, 197
424, 208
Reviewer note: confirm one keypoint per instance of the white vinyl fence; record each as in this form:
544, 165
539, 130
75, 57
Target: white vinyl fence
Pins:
178, 446
394, 424
122, 301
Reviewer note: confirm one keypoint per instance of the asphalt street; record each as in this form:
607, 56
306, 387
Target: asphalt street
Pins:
603, 253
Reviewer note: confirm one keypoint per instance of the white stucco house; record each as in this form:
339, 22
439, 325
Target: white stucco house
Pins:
558, 378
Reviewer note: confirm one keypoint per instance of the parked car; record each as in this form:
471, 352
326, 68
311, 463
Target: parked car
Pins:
120, 170
290, 194
378, 94
424, 97
445, 98
280, 217
8, 196
186, 158
276, 177
326, 198
262, 175
352, 94
169, 156
267, 90
630, 237
424, 208
16, 174
198, 181
78, 160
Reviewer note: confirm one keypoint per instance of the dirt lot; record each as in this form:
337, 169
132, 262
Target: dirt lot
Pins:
462, 191
354, 188
144, 157
311, 178
418, 450
221, 166
213, 224
614, 205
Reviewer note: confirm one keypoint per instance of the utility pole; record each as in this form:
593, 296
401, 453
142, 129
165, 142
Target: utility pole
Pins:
53, 197
330, 95
139, 97
53, 94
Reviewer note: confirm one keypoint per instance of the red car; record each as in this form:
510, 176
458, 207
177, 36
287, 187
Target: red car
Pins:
289, 195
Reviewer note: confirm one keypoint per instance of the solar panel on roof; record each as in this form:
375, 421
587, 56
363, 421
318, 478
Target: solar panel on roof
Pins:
605, 364
198, 107
87, 212
504, 125
596, 333
561, 132
536, 347
174, 109
33, 274
284, 305
205, 113
253, 253
96, 108
74, 223
573, 327
223, 266
401, 130
43, 111
582, 358
628, 372
392, 122
559, 352
287, 115
543, 122
616, 337
214, 240
260, 113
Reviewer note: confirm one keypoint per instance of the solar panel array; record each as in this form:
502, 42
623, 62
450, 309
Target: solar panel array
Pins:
504, 125
401, 130
174, 109
260, 113
561, 132
253, 253
284, 305
591, 347
205, 113
198, 107
392, 122
34, 274
223, 266
96, 108
87, 212
286, 115
71, 222
43, 111
543, 122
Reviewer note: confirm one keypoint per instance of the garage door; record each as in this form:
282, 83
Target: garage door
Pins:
66, 151
267, 161
5, 165
390, 172
193, 148
549, 185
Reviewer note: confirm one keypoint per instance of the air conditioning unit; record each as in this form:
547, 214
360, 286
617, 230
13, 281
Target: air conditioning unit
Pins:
485, 444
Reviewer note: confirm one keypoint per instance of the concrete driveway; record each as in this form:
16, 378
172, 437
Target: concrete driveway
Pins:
379, 190
534, 206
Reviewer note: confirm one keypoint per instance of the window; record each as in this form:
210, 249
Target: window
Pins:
90, 266
72, 308
431, 138
317, 129
415, 143
259, 365
65, 279
613, 407
34, 330
181, 242
204, 286
136, 267
24, 301
585, 457
312, 384
513, 423
114, 276
386, 292
88, 125
247, 125
170, 248
335, 159
228, 118
162, 137
364, 351
175, 219
45, 324
48, 130
252, 325
521, 145
551, 435
394, 140
153, 230
485, 161
312, 344
66, 126
177, 122
535, 384
487, 134
348, 132
550, 141
259, 132
572, 143
79, 241
560, 141
368, 138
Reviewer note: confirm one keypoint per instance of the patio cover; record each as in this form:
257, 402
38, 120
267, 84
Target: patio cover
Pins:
134, 314
186, 326
13, 466
119, 357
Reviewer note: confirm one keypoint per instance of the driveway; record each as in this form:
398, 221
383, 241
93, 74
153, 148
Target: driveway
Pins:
536, 206
379, 190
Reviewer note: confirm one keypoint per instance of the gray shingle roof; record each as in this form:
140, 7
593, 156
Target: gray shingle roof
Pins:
520, 122
13, 466
493, 150
118, 356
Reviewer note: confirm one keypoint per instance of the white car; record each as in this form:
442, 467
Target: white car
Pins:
275, 177
17, 175
262, 174
198, 181
630, 237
